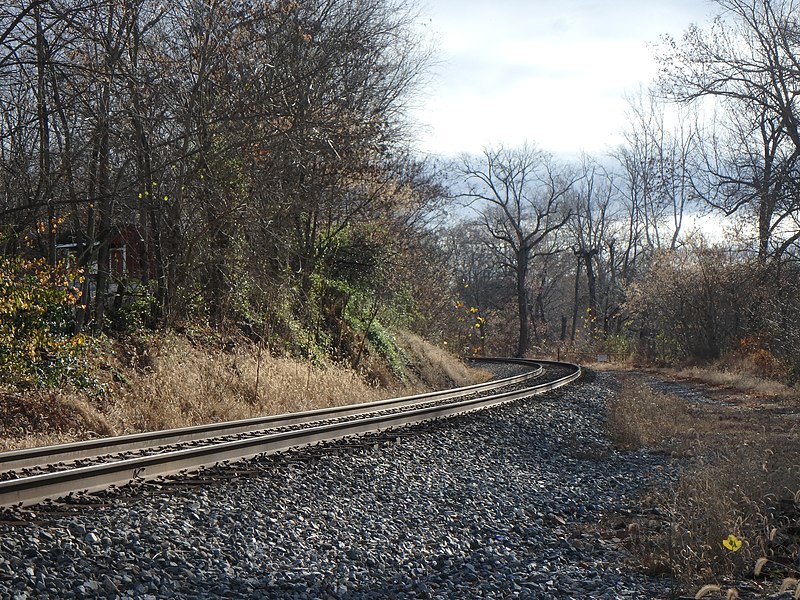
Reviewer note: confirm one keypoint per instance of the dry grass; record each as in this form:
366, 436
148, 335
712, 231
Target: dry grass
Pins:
758, 373
46, 418
188, 385
436, 368
641, 417
747, 490
742, 478
173, 381
738, 380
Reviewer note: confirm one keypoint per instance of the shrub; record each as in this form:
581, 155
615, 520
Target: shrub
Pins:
752, 355
135, 314
37, 345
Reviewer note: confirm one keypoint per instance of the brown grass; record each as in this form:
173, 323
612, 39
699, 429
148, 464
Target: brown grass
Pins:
738, 380
435, 368
641, 417
742, 478
174, 380
45, 418
187, 385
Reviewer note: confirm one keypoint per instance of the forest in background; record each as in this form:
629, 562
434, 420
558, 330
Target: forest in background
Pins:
250, 166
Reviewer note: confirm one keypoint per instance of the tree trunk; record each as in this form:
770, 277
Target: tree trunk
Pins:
765, 210
220, 275
591, 284
522, 301
575, 299
144, 161
44, 190
105, 206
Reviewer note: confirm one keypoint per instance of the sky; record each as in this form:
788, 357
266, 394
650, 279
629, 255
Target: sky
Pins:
549, 72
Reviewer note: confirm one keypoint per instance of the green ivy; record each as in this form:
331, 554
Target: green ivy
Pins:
384, 343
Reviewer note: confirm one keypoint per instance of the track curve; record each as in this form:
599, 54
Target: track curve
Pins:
34, 475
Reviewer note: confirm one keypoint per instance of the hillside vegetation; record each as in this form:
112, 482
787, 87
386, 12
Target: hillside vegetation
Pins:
157, 381
251, 167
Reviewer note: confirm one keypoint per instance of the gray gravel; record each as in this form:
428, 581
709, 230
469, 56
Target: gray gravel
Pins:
497, 504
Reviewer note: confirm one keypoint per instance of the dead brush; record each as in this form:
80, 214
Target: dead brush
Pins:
40, 418
189, 385
730, 516
738, 493
640, 417
725, 493
789, 584
739, 483
741, 380
435, 367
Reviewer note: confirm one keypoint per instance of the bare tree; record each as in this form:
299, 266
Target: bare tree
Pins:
748, 63
520, 195
751, 172
658, 170
592, 211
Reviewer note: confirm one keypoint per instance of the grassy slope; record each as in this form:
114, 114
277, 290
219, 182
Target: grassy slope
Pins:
175, 380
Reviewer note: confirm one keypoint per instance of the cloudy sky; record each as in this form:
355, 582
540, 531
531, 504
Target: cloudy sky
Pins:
553, 72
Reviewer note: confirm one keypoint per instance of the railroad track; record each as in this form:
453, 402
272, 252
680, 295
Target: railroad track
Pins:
33, 475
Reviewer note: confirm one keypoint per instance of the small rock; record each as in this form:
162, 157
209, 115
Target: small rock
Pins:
92, 538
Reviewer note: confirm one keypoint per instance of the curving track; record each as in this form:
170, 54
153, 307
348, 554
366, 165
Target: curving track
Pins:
33, 475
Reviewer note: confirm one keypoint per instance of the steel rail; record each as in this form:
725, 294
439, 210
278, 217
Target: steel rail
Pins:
30, 490
30, 457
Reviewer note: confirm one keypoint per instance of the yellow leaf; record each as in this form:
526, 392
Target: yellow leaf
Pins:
732, 543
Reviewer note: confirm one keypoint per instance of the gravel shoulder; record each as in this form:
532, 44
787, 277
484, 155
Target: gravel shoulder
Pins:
527, 500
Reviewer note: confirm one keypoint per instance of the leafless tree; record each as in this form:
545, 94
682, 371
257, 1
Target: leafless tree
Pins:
592, 201
748, 64
520, 195
658, 164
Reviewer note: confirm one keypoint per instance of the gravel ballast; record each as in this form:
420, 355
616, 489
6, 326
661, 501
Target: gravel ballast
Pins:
497, 504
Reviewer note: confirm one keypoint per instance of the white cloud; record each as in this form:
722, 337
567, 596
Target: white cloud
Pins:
549, 72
